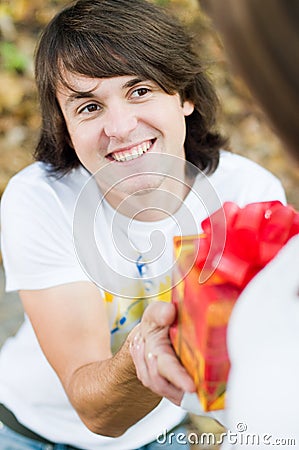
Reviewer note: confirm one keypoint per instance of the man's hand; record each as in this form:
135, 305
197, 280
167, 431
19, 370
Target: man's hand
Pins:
157, 365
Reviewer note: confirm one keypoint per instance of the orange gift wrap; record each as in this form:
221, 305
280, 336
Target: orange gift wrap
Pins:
211, 271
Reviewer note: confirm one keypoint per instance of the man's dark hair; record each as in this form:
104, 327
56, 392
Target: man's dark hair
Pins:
108, 38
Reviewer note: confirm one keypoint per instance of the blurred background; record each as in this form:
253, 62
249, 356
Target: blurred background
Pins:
241, 119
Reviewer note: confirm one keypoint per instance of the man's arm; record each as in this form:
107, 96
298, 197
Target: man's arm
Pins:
71, 325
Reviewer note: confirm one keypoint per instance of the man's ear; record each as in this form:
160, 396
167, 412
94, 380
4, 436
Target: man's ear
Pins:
188, 107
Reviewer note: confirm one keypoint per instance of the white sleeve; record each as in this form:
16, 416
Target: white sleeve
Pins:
242, 181
268, 190
36, 236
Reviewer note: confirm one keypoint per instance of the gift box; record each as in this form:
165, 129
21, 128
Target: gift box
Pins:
211, 270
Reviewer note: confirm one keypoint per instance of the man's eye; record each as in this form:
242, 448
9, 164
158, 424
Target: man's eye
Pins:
92, 107
140, 92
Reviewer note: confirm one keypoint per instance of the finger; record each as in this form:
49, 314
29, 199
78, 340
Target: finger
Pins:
170, 368
147, 372
159, 384
159, 314
138, 356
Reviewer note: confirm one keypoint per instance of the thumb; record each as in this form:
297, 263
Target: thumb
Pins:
160, 314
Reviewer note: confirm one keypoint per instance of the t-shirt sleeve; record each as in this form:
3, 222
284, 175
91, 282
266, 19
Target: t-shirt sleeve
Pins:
269, 188
36, 238
243, 181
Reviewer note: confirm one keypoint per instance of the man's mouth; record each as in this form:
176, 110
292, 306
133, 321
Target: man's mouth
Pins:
132, 152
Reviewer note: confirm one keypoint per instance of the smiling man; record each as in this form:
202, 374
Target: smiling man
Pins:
120, 119
128, 157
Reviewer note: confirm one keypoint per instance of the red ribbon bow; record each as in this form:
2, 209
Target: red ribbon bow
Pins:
253, 236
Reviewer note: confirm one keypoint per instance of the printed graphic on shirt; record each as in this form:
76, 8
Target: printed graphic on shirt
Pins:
124, 313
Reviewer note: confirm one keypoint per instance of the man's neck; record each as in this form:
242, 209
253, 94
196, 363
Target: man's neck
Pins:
150, 205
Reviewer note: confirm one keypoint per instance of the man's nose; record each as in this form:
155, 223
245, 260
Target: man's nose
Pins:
120, 121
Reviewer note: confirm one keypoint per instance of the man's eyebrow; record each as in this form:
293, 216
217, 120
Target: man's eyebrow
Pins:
133, 82
77, 95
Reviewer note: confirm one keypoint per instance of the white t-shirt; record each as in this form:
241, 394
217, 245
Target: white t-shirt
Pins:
39, 252
263, 348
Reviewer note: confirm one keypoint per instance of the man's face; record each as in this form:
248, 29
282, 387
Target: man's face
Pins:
121, 120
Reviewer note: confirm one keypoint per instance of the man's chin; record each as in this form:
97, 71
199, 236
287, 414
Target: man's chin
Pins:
141, 184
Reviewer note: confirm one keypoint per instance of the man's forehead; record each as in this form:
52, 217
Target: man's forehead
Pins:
77, 82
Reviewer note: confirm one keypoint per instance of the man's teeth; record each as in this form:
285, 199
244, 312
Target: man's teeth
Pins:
133, 153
